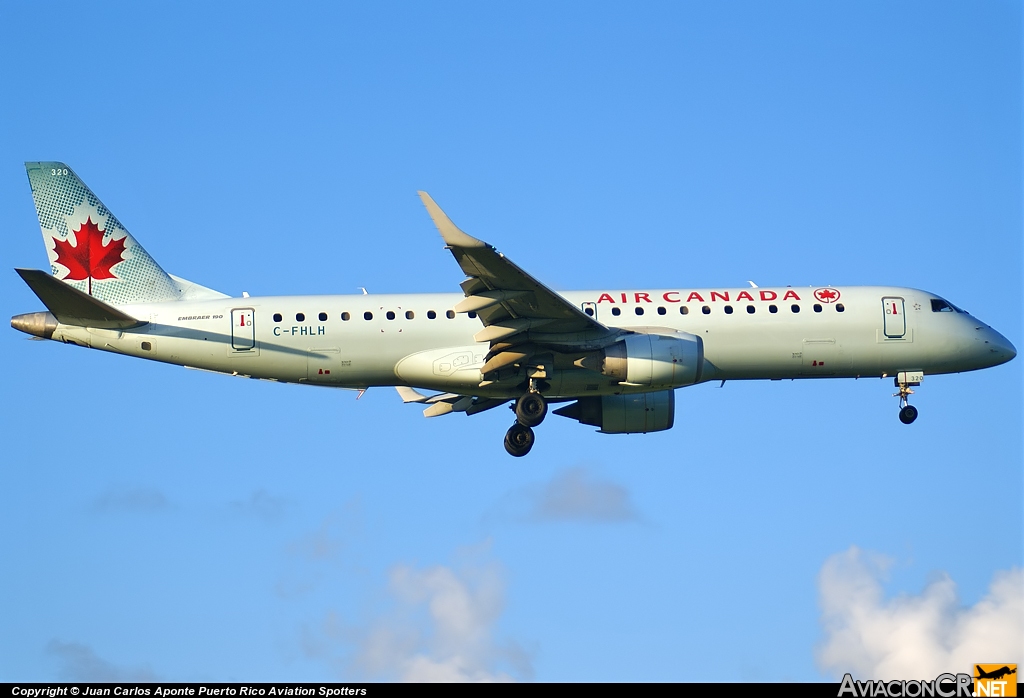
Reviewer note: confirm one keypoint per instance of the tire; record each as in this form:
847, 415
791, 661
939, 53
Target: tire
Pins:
531, 409
519, 440
908, 414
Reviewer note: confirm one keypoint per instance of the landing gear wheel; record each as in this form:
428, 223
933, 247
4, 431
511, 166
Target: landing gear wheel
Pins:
531, 409
908, 414
519, 440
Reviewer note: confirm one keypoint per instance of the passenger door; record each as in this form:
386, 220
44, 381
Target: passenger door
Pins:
243, 329
895, 322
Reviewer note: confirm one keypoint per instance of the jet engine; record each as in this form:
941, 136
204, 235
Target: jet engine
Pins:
638, 413
654, 360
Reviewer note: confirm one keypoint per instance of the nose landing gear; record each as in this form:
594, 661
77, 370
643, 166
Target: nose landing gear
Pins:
903, 381
530, 411
908, 414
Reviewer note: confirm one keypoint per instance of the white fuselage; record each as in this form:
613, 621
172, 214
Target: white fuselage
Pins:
417, 340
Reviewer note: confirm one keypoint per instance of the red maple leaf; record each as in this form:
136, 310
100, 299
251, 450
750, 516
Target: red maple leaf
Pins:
88, 258
825, 294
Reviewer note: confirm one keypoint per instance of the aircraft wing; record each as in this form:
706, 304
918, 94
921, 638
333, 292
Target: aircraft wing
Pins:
521, 316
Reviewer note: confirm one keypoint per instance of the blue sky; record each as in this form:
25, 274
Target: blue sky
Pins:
170, 524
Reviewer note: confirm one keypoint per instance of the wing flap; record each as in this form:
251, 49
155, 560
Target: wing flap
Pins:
486, 299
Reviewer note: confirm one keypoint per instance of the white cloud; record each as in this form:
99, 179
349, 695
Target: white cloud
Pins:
913, 636
455, 641
79, 662
440, 627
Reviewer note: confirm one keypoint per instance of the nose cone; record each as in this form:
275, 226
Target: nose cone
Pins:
994, 348
1003, 348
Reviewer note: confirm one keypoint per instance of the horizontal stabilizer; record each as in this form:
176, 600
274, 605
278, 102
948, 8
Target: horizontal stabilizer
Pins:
438, 409
73, 307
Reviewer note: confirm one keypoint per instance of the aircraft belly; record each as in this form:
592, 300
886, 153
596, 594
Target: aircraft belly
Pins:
736, 356
796, 352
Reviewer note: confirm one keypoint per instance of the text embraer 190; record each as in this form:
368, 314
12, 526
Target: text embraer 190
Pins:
616, 356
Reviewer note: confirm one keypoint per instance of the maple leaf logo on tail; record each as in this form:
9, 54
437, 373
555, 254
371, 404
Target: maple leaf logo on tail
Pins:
89, 258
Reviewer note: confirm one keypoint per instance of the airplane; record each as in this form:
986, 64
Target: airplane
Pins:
616, 357
994, 674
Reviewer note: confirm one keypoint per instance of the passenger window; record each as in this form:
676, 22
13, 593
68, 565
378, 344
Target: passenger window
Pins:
300, 317
817, 307
773, 309
409, 315
638, 310
750, 309
706, 310
323, 317
346, 316
728, 310
277, 317
683, 310
367, 315
616, 312
795, 308
472, 314
390, 315
589, 311
431, 315
146, 346
450, 315
661, 310
840, 307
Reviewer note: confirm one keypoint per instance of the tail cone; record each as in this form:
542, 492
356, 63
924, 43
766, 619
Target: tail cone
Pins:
39, 325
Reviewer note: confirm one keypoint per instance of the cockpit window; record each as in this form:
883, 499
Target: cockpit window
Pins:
941, 306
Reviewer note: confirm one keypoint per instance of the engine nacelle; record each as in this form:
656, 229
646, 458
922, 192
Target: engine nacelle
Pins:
638, 413
655, 360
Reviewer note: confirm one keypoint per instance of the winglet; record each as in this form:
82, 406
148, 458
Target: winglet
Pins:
453, 237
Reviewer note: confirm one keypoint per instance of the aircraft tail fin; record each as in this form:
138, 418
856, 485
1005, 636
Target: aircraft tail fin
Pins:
73, 307
88, 247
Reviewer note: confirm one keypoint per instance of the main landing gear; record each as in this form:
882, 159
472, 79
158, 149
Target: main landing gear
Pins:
519, 440
530, 411
903, 381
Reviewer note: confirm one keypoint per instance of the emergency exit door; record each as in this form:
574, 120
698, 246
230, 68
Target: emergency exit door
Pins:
894, 318
243, 329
